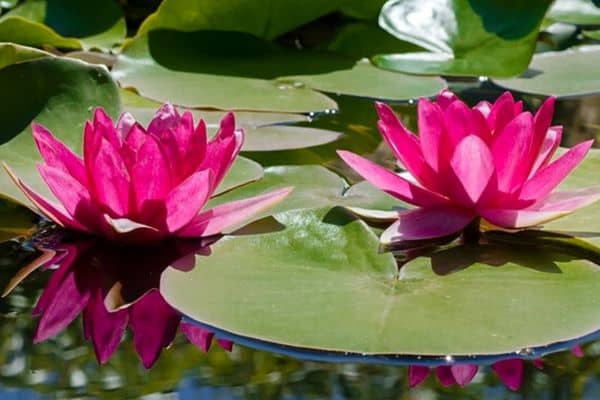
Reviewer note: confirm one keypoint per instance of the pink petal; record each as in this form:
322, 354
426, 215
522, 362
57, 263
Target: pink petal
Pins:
69, 297
220, 155
133, 143
461, 121
542, 121
390, 182
111, 180
106, 328
150, 178
463, 374
510, 372
501, 113
199, 337
186, 200
547, 149
124, 124
431, 133
444, 98
57, 155
484, 108
154, 325
227, 126
104, 127
427, 223
473, 166
405, 145
510, 150
577, 351
416, 375
219, 218
547, 178
445, 376
225, 344
56, 212
165, 118
125, 230
73, 196
555, 206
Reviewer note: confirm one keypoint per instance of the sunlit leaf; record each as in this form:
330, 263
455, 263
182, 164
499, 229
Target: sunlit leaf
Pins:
571, 72
581, 12
320, 284
69, 24
488, 38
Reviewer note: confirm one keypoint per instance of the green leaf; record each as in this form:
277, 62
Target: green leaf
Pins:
366, 10
567, 73
466, 38
321, 284
61, 95
231, 73
579, 12
314, 186
365, 80
11, 53
69, 24
592, 34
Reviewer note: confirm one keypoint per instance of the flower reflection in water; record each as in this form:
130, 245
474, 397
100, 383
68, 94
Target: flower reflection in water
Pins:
115, 288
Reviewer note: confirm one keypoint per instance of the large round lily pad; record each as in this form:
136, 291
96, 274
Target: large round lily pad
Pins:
321, 284
572, 72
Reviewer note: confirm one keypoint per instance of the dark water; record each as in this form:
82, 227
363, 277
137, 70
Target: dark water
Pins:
65, 366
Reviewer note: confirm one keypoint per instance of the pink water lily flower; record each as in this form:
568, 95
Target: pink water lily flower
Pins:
135, 184
492, 161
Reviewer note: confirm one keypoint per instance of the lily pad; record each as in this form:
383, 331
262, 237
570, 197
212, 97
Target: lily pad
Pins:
192, 72
366, 80
567, 73
69, 24
11, 53
466, 38
320, 284
579, 12
592, 34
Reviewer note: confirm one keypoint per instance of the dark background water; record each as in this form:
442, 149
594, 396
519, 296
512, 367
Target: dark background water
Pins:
65, 366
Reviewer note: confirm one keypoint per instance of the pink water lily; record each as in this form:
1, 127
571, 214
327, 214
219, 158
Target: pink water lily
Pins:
136, 184
492, 161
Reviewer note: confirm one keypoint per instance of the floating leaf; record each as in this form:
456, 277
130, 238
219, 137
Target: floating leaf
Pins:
12, 53
69, 24
579, 12
465, 37
162, 67
571, 72
320, 284
365, 80
592, 34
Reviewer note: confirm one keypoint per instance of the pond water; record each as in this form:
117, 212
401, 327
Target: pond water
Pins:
65, 366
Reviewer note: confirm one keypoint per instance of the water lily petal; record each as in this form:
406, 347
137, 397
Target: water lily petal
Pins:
547, 178
103, 126
510, 150
225, 344
57, 155
111, 180
124, 124
510, 372
167, 117
199, 337
390, 182
72, 194
221, 153
105, 328
404, 145
503, 110
461, 121
154, 325
218, 219
484, 107
187, 199
473, 167
227, 127
59, 310
445, 376
427, 223
133, 143
542, 121
444, 98
431, 134
463, 373
417, 374
150, 178
547, 149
